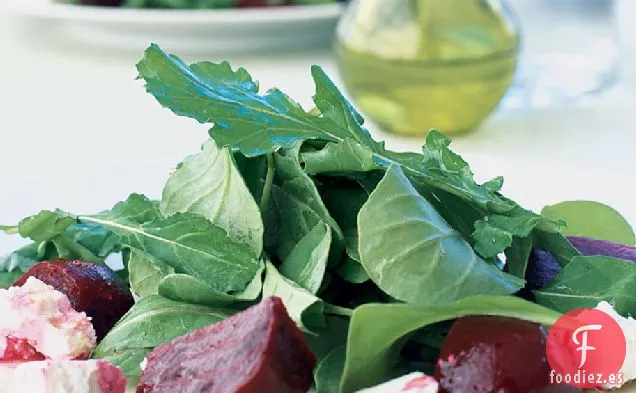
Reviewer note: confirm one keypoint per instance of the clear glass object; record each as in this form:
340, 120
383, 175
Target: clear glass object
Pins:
413, 65
569, 49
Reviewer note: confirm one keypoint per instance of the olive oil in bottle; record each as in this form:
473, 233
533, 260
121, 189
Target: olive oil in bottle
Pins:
413, 65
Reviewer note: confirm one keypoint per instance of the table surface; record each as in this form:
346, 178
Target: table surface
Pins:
78, 132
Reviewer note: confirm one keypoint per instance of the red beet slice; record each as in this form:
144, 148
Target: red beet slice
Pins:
484, 354
542, 267
90, 287
256, 351
19, 350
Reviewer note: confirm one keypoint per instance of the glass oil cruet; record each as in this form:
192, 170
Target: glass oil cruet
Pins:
413, 65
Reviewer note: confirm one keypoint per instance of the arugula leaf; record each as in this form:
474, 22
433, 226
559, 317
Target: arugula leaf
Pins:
209, 184
371, 351
214, 93
77, 241
12, 266
518, 255
45, 225
99, 241
592, 219
187, 289
352, 271
261, 124
329, 371
145, 274
586, 281
303, 307
412, 254
9, 229
344, 199
306, 264
296, 210
346, 156
495, 233
151, 322
187, 242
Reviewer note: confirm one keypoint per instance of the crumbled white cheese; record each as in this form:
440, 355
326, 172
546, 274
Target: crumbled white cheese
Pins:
411, 383
45, 318
628, 325
62, 376
143, 364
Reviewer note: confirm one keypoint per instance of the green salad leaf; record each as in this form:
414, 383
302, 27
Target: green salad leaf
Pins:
146, 274
329, 371
209, 184
187, 242
592, 219
151, 322
587, 281
412, 254
377, 331
304, 308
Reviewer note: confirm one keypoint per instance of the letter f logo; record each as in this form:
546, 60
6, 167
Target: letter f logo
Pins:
583, 343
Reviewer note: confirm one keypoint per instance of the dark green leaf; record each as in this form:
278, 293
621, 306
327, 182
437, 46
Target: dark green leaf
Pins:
352, 271
12, 266
187, 242
145, 274
586, 281
262, 124
187, 289
299, 208
592, 219
412, 254
45, 225
209, 184
98, 240
494, 233
518, 255
303, 307
329, 371
371, 351
307, 262
558, 245
346, 156
151, 322
214, 93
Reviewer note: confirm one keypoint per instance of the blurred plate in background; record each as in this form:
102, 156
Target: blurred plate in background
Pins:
192, 31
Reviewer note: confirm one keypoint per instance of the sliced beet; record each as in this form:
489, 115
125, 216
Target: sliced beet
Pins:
90, 287
542, 267
256, 351
485, 354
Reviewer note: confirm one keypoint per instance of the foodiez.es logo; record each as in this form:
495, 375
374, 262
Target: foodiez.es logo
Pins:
586, 348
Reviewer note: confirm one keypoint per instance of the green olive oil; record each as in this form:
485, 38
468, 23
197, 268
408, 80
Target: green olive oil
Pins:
445, 66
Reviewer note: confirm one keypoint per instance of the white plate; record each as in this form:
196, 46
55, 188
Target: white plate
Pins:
198, 31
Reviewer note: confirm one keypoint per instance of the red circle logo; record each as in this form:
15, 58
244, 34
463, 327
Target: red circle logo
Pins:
586, 348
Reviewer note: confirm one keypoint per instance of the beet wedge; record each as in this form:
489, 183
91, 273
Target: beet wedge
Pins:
256, 351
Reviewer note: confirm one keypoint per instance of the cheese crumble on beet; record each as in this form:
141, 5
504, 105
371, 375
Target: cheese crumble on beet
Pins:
44, 318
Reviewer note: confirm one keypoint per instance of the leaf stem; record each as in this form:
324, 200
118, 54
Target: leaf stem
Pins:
337, 310
267, 188
9, 230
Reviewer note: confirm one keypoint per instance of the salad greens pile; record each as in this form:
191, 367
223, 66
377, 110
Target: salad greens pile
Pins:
373, 252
